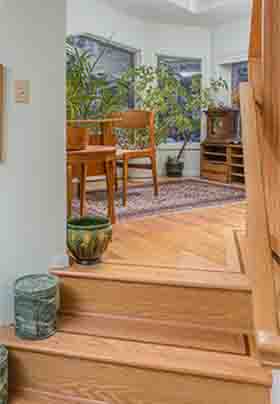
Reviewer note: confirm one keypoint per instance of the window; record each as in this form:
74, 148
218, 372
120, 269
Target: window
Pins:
184, 69
239, 74
115, 61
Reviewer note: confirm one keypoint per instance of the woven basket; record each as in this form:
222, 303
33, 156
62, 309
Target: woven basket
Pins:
3, 375
36, 304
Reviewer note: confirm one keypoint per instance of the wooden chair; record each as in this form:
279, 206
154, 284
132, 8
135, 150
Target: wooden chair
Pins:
136, 120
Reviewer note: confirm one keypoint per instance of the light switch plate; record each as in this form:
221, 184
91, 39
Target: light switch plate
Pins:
22, 91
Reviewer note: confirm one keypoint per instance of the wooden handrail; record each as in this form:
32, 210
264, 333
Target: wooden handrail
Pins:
259, 259
255, 47
260, 103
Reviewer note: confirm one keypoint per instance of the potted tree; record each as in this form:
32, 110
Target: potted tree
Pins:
78, 99
88, 94
154, 90
157, 89
187, 116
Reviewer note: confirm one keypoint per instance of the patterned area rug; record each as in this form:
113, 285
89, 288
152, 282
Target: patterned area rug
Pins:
174, 196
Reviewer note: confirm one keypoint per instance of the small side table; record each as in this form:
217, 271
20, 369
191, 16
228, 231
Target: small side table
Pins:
105, 154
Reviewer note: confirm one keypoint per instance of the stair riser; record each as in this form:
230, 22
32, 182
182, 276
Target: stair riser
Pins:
208, 308
116, 384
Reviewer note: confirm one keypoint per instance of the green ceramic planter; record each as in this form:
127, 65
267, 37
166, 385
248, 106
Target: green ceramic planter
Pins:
3, 375
36, 305
88, 238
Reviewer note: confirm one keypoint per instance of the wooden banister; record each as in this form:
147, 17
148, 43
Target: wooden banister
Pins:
260, 110
259, 259
255, 47
256, 52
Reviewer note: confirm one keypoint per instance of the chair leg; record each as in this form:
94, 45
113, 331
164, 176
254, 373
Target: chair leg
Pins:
116, 177
110, 179
69, 190
125, 180
155, 177
83, 190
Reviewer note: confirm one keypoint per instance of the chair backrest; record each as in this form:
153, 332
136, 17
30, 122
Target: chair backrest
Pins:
136, 119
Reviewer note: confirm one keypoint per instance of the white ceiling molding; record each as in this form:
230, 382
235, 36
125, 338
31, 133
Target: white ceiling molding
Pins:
185, 12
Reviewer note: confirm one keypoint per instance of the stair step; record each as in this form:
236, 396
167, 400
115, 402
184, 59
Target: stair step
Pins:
188, 277
205, 299
29, 396
187, 308
147, 331
114, 371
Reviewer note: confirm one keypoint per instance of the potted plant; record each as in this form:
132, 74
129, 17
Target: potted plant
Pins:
88, 238
157, 89
86, 93
152, 87
77, 97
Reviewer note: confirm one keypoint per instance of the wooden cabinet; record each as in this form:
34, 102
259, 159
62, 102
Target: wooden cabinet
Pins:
222, 162
222, 126
236, 164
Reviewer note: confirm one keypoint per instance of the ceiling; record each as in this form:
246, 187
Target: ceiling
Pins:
186, 12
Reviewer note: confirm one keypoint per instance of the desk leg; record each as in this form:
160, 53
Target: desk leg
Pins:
83, 183
110, 171
125, 180
69, 190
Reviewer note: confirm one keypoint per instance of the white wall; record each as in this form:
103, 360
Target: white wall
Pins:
98, 18
95, 17
32, 202
230, 42
150, 39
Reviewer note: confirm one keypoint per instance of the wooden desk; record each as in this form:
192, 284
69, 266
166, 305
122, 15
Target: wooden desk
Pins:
103, 154
105, 138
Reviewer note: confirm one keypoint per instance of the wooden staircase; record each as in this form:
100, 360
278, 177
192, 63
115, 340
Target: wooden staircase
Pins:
105, 370
186, 308
137, 335
132, 333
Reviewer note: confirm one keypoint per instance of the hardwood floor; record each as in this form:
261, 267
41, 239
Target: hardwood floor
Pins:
195, 239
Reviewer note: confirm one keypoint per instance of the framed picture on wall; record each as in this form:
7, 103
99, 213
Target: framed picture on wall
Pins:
1, 109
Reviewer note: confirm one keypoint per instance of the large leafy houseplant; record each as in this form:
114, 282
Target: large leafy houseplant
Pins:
89, 95
157, 89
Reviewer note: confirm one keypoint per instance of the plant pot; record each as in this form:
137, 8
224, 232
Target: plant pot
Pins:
174, 168
77, 138
3, 375
88, 238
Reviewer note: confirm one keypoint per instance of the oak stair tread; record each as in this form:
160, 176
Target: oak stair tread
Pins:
29, 396
161, 276
145, 356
